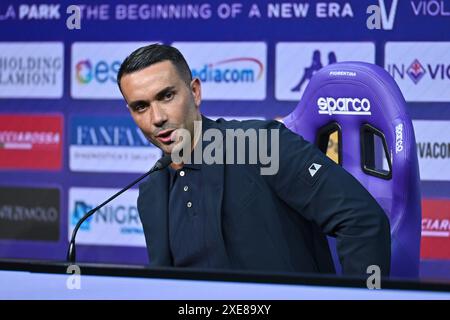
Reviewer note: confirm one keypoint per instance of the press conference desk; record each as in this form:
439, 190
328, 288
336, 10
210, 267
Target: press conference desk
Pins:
48, 280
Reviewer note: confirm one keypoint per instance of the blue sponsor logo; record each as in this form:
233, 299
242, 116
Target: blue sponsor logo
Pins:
127, 217
235, 70
106, 131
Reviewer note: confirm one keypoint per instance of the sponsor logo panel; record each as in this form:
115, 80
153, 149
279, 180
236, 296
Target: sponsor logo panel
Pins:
433, 149
94, 68
29, 213
109, 144
228, 70
421, 69
297, 62
435, 229
116, 224
31, 69
31, 142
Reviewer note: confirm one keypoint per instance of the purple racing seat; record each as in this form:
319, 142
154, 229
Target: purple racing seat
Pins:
376, 144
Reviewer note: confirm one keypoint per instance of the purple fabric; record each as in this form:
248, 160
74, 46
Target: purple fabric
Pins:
398, 196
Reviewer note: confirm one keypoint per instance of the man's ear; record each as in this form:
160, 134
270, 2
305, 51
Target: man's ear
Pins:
196, 89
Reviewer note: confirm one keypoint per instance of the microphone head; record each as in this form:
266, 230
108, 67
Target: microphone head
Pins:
163, 162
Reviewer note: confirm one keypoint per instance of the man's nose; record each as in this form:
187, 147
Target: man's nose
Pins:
159, 117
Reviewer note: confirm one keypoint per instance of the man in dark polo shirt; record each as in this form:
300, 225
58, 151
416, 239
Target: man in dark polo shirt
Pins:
233, 216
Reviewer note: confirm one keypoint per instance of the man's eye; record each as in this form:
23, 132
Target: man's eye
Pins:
169, 95
140, 108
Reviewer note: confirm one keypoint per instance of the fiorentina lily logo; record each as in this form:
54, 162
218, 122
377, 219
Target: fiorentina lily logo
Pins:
416, 71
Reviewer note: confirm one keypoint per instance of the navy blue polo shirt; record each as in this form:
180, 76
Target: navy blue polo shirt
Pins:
188, 223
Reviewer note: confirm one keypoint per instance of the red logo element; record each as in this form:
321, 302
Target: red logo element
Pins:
435, 229
31, 142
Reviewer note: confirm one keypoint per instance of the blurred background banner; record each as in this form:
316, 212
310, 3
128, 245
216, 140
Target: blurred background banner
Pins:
67, 141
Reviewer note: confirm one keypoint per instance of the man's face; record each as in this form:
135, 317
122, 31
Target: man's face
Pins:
161, 102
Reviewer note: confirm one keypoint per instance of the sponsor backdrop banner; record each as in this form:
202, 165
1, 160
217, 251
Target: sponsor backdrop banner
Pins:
32, 70
421, 69
94, 67
310, 57
31, 141
67, 140
433, 149
228, 70
115, 142
115, 224
435, 229
29, 214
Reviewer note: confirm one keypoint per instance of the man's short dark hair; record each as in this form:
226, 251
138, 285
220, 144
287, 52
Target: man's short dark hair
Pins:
146, 56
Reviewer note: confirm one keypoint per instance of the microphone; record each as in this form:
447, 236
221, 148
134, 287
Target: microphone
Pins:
162, 163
